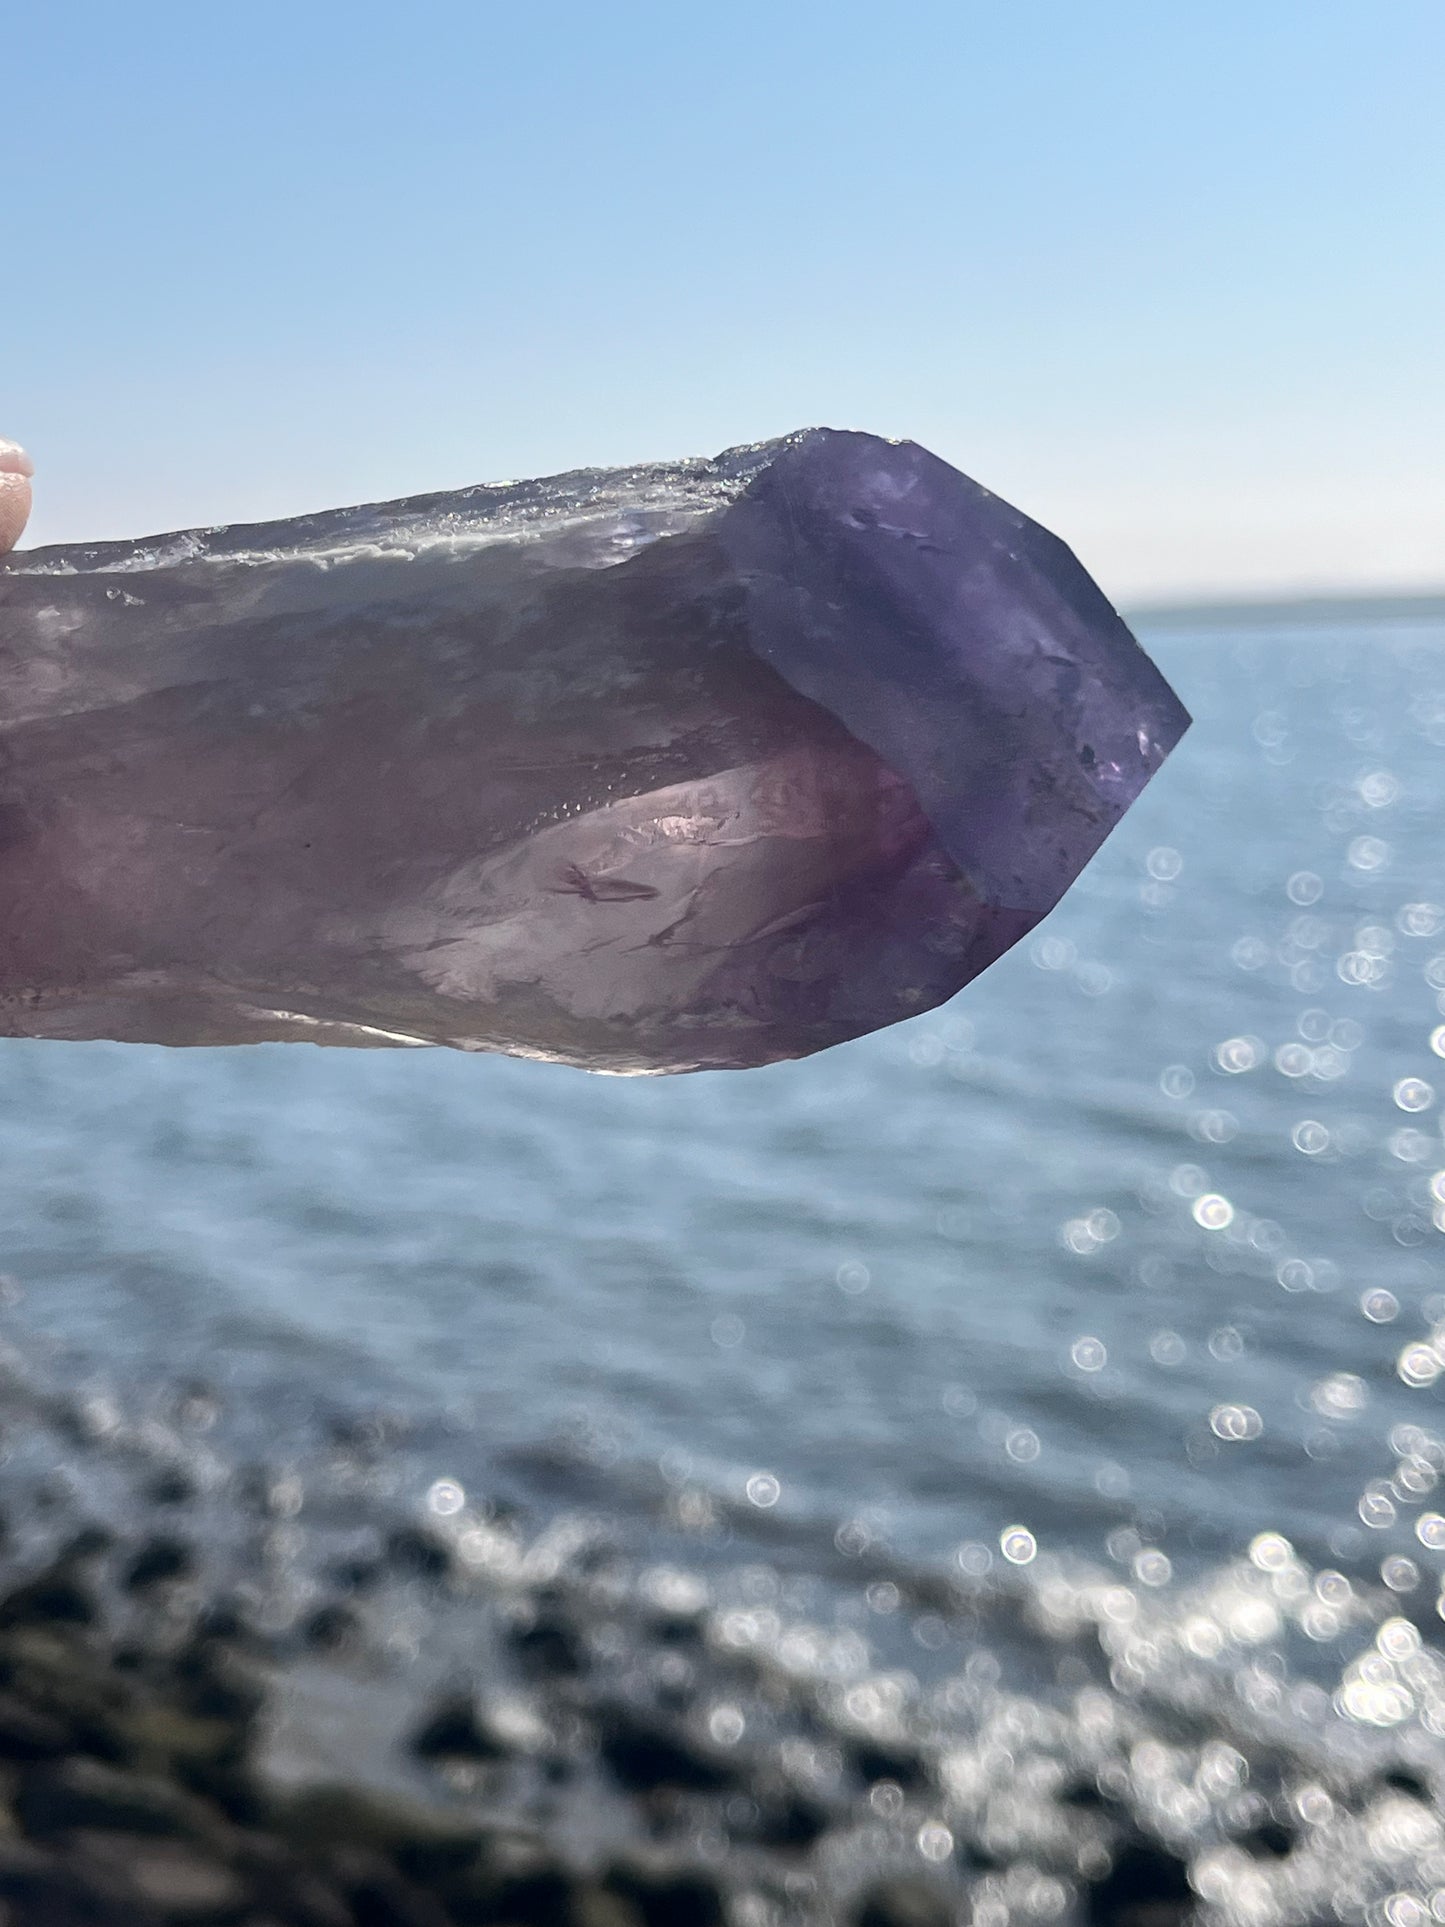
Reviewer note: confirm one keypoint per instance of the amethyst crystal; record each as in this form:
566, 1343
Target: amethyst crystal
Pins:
656, 769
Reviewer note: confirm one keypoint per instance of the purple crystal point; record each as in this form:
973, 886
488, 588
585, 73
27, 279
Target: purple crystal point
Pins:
972, 653
655, 769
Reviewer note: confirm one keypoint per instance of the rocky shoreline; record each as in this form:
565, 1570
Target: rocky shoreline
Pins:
264, 1696
135, 1790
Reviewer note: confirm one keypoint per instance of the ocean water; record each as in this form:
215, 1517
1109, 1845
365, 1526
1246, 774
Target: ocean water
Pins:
1126, 1266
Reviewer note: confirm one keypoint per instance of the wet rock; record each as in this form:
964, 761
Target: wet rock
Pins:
978, 1859
645, 1752
160, 1560
437, 1856
541, 1897
1146, 1887
378, 1896
551, 1643
223, 1619
422, 1842
1403, 1779
216, 1683
512, 1877
169, 1877
903, 1903
790, 1821
311, 1903
26, 1734
219, 1773
21, 1859
164, 1738
331, 1628
226, 1620
417, 1554
354, 1575
38, 1889
54, 1673
668, 1897
228, 1784
456, 1729
877, 1760
368, 1435
86, 1543
171, 1487
284, 1887
253, 1488
1085, 1796
594, 1906
1270, 1840
87, 1794
55, 1491
59, 1595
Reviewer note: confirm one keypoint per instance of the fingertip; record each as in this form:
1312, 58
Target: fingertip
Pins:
14, 505
14, 460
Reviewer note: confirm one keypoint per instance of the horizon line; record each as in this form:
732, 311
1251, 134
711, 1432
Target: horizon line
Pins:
1286, 605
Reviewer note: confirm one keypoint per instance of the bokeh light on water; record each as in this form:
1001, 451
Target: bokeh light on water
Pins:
1102, 1313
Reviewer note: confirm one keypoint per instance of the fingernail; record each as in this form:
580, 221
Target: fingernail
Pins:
14, 460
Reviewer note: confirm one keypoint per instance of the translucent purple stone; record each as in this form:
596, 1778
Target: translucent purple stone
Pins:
656, 769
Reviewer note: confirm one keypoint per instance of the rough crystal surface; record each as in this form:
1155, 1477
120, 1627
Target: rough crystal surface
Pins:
657, 769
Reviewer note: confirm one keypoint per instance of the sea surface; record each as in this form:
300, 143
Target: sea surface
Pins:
1124, 1266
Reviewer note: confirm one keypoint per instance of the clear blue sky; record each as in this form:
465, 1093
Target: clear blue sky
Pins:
1169, 276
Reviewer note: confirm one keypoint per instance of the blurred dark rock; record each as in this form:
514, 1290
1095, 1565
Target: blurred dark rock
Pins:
417, 1554
668, 1897
87, 1542
1403, 1779
160, 1560
551, 1642
170, 1878
56, 1674
540, 1897
283, 1887
354, 1575
171, 1487
423, 1843
903, 1903
26, 1734
455, 1728
215, 1682
787, 1820
511, 1875
87, 1793
645, 1751
877, 1761
38, 1889
165, 1738
1270, 1840
596, 1906
377, 1894
331, 1628
226, 1619
1085, 1795
60, 1594
1147, 1886
436, 1854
